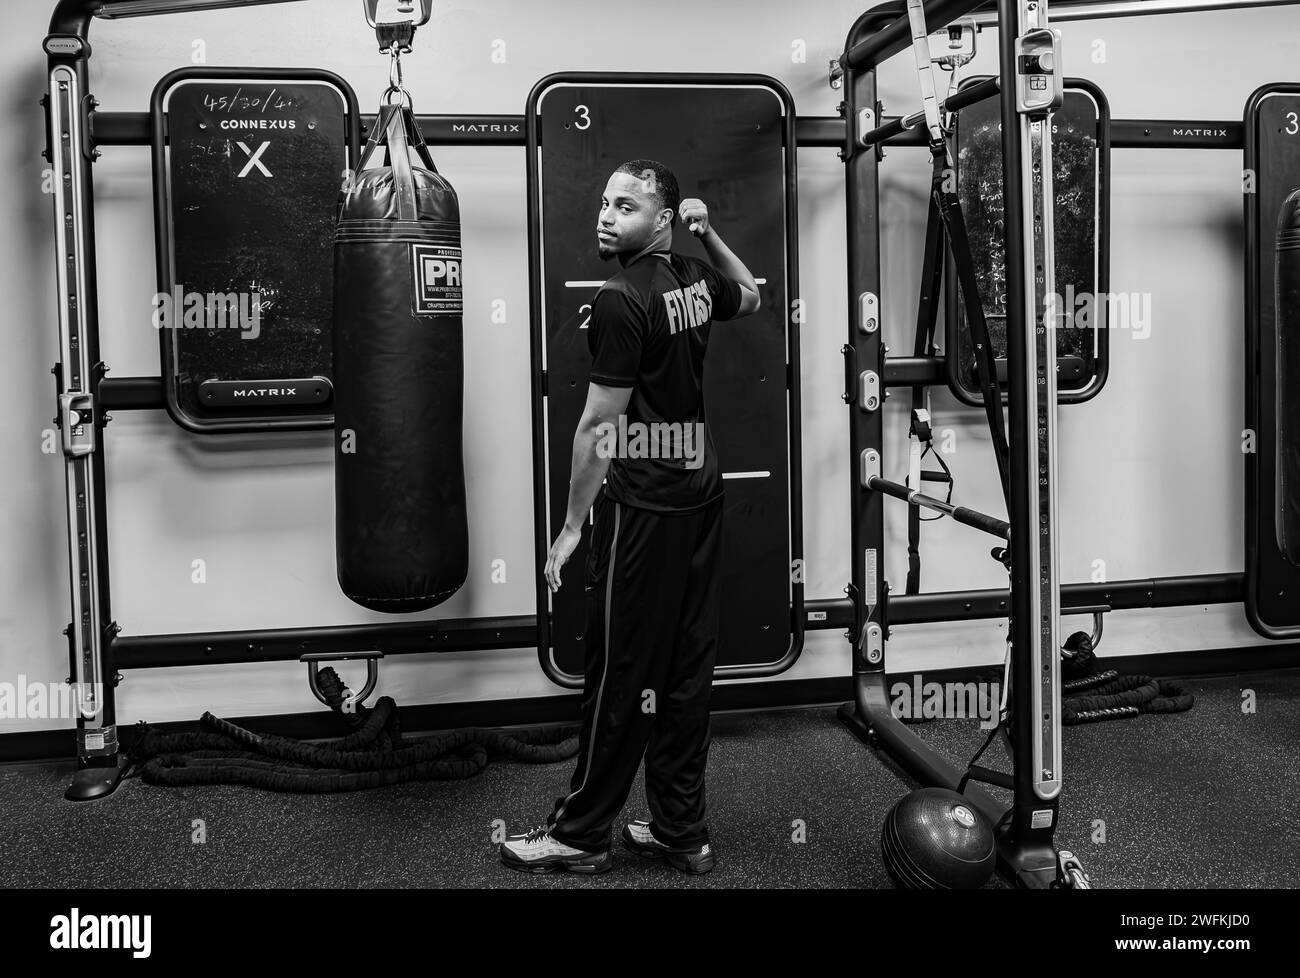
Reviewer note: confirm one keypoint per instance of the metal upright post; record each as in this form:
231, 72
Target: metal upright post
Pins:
864, 392
1031, 89
68, 106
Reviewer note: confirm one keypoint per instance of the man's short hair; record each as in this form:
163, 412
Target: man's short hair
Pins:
661, 184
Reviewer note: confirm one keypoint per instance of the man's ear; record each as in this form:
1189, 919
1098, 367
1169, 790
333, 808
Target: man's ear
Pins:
667, 215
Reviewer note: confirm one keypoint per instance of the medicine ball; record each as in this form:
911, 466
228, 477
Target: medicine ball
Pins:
934, 839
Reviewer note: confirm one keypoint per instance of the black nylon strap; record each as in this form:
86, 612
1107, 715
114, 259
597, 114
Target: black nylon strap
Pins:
927, 309
926, 315
985, 362
945, 214
416, 138
915, 519
378, 136
396, 130
399, 157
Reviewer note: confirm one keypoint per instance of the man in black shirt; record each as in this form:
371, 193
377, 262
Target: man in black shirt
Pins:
651, 576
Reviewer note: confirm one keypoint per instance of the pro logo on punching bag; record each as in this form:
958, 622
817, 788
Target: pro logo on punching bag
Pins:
437, 280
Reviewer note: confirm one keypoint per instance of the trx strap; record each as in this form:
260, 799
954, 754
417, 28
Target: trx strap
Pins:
985, 362
955, 224
920, 432
924, 69
945, 214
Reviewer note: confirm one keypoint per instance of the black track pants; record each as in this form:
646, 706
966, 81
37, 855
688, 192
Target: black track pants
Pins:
652, 639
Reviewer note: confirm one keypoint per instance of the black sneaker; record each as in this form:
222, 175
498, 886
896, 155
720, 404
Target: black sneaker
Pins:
638, 838
538, 852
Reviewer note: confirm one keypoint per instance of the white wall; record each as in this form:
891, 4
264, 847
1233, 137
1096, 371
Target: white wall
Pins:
1151, 472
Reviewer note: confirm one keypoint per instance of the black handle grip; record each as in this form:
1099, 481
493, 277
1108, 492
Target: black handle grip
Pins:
989, 524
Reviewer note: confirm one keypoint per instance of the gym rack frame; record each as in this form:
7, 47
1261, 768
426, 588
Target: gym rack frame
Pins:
1026, 854
85, 396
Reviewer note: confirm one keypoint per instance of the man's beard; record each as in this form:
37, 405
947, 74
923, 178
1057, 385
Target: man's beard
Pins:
604, 252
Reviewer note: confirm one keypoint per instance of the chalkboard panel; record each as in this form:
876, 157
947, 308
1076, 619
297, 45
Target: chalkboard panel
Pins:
727, 143
1081, 219
1272, 172
249, 165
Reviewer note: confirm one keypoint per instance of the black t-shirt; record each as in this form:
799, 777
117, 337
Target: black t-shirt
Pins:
649, 330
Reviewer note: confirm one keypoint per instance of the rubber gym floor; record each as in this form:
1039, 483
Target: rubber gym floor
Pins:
1201, 799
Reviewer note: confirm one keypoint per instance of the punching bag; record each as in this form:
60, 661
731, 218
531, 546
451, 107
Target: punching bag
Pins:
401, 533
1287, 316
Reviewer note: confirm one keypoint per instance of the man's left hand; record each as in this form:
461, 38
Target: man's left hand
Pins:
561, 550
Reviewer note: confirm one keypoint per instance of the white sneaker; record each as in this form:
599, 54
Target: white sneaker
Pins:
538, 852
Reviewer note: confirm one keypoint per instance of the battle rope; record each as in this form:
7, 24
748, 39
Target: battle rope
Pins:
374, 753
1090, 694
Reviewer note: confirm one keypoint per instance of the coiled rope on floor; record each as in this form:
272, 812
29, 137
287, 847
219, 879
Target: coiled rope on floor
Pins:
1089, 693
373, 754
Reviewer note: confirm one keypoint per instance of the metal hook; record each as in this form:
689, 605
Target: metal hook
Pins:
395, 69
314, 661
395, 82
1097, 622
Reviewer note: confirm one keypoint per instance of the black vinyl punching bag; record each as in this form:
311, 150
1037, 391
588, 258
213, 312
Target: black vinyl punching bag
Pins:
400, 525
1287, 313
